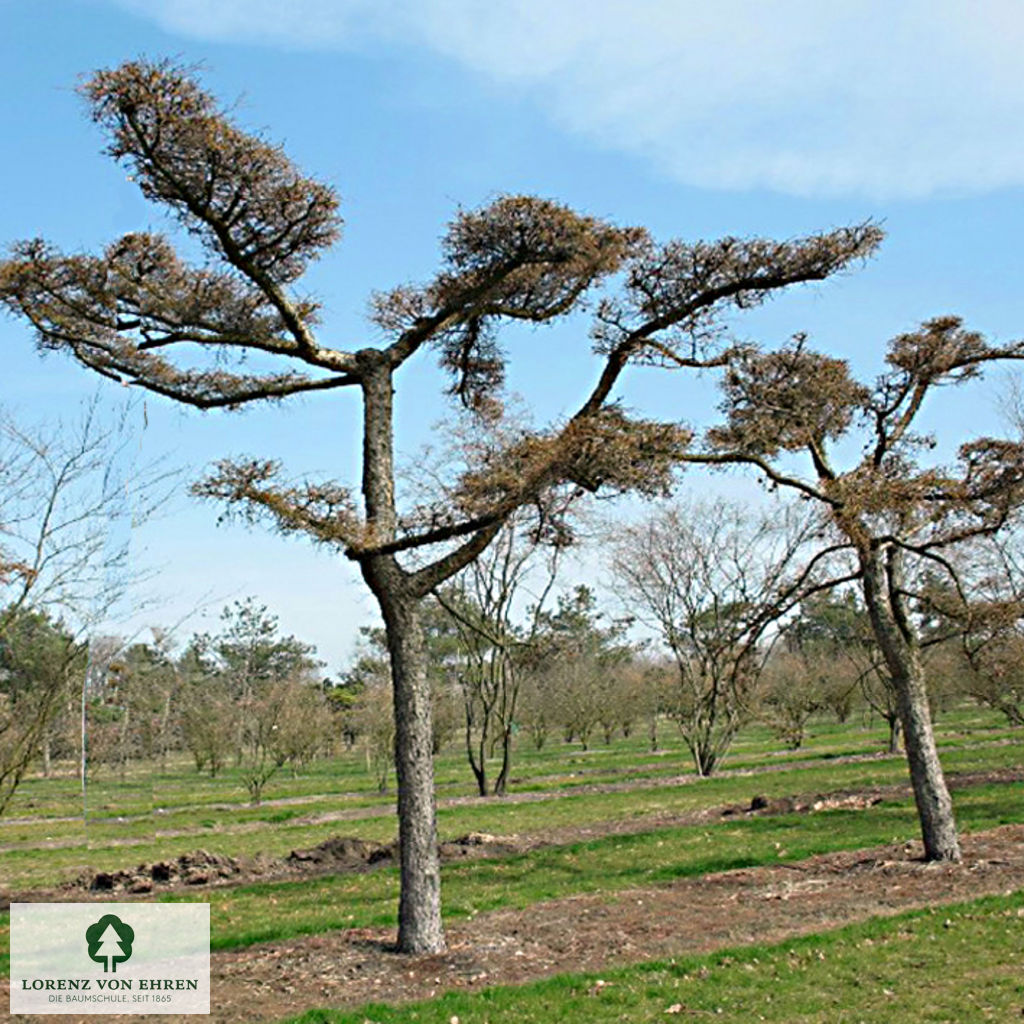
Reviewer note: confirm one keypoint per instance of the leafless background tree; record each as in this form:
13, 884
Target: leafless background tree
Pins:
713, 579
69, 495
495, 604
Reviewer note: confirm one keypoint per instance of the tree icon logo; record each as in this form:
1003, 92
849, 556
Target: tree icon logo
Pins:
110, 942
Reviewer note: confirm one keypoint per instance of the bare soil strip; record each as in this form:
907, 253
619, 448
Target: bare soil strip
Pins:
595, 932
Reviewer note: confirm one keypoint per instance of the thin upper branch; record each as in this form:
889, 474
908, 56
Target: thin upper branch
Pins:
774, 475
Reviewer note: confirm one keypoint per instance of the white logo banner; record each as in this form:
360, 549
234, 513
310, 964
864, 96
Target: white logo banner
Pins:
110, 958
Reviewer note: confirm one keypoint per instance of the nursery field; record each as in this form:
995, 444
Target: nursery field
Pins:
609, 884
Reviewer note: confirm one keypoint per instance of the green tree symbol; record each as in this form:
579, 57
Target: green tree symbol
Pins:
110, 941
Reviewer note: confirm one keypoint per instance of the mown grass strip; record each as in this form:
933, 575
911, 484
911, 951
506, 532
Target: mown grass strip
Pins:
250, 914
271, 911
178, 788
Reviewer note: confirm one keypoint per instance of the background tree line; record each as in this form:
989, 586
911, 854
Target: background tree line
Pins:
717, 625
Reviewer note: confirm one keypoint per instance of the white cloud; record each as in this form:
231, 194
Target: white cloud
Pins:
861, 97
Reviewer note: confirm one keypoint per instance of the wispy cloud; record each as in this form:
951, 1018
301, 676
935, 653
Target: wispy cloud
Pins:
862, 97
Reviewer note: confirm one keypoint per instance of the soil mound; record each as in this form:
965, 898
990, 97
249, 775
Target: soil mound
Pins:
763, 805
335, 854
199, 867
345, 853
350, 853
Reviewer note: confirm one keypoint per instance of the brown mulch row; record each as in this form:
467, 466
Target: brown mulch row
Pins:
595, 932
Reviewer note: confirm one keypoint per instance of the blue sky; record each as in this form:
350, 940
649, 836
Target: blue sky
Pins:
746, 119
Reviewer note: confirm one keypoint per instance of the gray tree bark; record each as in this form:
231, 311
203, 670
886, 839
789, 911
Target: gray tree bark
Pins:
501, 783
882, 581
419, 906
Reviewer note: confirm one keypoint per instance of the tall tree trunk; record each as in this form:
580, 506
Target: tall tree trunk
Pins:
165, 729
479, 771
419, 907
484, 741
882, 579
419, 904
122, 754
478, 762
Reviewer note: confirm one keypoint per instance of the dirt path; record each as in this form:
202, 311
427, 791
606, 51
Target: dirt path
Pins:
593, 932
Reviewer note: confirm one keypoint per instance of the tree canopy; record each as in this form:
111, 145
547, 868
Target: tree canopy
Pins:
891, 506
140, 314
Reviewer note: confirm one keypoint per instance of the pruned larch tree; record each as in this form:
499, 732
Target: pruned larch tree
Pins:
141, 315
891, 508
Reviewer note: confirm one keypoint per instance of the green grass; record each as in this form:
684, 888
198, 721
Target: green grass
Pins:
131, 825
956, 964
148, 788
276, 830
282, 910
245, 915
